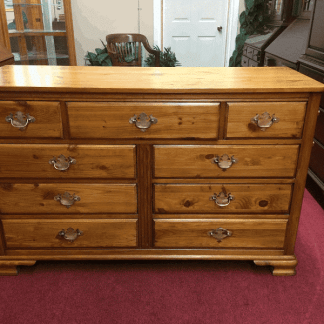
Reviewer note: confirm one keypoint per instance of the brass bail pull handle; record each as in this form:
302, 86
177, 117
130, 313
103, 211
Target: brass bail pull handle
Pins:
220, 233
67, 199
70, 234
62, 163
143, 122
224, 162
20, 120
222, 199
265, 120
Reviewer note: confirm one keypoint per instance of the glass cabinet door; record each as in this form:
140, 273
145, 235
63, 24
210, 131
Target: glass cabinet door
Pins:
37, 31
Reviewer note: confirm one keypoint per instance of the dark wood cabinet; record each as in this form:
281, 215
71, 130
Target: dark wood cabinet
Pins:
312, 64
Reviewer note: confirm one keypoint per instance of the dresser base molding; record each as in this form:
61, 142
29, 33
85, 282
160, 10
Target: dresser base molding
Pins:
282, 265
9, 268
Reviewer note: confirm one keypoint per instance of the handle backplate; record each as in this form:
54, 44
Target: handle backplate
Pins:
265, 120
220, 233
70, 234
224, 162
222, 199
143, 122
67, 199
20, 120
62, 163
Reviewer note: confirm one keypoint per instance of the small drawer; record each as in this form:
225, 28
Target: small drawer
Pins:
30, 119
249, 52
246, 119
316, 160
67, 161
220, 233
103, 233
172, 120
210, 161
50, 198
245, 61
224, 198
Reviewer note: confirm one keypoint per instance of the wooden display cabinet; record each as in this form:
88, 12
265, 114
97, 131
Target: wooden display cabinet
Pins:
38, 32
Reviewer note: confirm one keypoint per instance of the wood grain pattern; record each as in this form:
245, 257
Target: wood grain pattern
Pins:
245, 233
92, 161
18, 198
291, 115
188, 80
175, 120
253, 161
171, 198
44, 233
47, 114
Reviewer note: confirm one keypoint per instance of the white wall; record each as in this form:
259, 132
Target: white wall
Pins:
94, 19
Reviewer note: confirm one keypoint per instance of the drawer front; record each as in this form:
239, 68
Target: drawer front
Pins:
79, 161
290, 125
246, 233
210, 161
249, 52
47, 121
245, 61
48, 198
316, 160
174, 120
198, 198
45, 233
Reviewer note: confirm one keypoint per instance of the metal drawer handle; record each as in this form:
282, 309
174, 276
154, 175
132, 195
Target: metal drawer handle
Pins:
67, 199
70, 234
143, 122
220, 233
222, 199
20, 120
62, 163
265, 120
224, 162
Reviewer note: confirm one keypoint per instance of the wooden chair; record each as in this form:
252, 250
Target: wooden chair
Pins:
126, 49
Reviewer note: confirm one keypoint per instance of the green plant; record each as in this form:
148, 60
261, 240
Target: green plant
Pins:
167, 58
100, 57
252, 20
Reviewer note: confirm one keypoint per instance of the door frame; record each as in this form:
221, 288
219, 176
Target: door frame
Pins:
231, 28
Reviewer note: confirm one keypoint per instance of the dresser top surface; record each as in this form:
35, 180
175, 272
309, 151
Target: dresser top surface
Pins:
155, 80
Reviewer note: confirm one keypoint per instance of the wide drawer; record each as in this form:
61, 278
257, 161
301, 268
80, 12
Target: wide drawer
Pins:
49, 198
174, 120
67, 161
46, 123
290, 119
31, 233
225, 161
201, 198
247, 233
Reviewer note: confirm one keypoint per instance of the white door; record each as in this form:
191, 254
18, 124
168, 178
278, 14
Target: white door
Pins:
196, 31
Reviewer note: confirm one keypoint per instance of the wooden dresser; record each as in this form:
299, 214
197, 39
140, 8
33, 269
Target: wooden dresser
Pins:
153, 163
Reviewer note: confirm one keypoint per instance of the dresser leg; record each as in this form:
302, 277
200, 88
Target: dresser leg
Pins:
280, 267
9, 268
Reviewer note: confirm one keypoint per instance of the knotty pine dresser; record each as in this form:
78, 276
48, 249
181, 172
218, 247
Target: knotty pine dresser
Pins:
153, 163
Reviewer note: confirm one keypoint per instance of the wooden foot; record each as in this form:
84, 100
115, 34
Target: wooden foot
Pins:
9, 268
280, 267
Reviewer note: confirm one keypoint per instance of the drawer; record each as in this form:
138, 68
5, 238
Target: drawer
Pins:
249, 52
290, 125
198, 161
316, 160
31, 233
44, 198
319, 131
47, 119
245, 61
175, 233
78, 161
174, 120
198, 198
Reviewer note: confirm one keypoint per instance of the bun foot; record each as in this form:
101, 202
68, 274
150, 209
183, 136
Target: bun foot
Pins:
9, 268
280, 267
